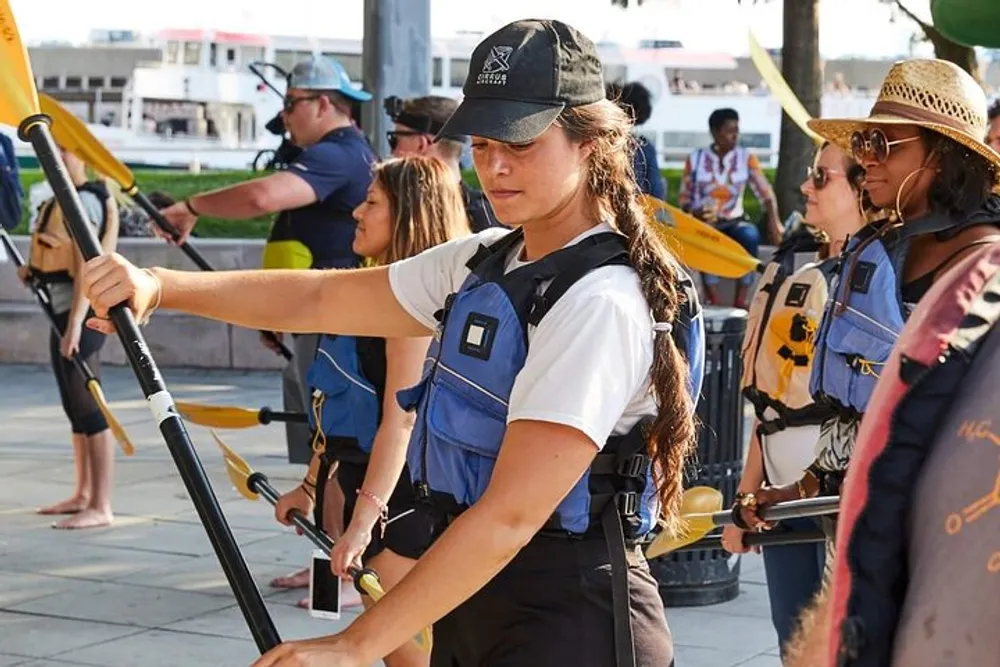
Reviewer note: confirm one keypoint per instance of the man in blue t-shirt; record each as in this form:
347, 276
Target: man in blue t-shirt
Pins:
313, 199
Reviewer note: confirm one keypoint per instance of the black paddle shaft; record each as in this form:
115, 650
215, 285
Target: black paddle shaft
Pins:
154, 213
792, 509
758, 540
257, 482
35, 129
43, 300
267, 415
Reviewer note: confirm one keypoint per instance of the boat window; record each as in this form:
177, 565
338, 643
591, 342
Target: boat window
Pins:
95, 82
192, 53
438, 73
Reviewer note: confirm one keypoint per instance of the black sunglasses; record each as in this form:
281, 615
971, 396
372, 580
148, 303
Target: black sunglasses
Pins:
392, 136
289, 103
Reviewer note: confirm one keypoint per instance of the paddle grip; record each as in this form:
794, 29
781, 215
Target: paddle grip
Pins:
35, 129
257, 482
793, 509
267, 415
758, 540
142, 200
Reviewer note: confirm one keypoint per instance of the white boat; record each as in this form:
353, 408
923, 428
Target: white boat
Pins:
201, 107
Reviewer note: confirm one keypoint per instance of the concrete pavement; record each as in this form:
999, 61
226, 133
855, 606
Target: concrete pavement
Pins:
149, 591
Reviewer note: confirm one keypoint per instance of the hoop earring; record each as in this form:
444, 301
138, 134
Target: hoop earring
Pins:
899, 192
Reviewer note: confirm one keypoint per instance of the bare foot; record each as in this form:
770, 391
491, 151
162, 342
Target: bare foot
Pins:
88, 518
71, 506
298, 579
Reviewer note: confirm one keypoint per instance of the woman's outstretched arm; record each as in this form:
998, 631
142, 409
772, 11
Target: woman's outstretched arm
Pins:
352, 302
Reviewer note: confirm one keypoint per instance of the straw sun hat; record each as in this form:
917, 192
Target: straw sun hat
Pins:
930, 93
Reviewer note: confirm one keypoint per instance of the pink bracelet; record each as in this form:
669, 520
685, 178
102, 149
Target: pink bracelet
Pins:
382, 507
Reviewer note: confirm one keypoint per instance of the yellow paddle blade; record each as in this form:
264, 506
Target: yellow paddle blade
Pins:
94, 387
71, 133
237, 469
779, 87
219, 416
696, 244
697, 505
18, 97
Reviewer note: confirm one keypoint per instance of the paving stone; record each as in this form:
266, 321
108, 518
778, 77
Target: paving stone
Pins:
125, 604
161, 648
43, 637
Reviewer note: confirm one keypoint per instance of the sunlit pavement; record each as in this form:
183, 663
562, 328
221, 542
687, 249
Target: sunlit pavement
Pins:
149, 591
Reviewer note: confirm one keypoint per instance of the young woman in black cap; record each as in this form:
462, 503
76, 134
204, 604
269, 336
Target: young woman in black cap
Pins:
555, 411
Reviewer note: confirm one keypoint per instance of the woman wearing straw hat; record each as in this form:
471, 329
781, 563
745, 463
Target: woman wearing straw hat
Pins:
555, 413
929, 177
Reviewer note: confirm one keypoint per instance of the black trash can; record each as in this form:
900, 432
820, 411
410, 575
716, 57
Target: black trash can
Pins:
695, 578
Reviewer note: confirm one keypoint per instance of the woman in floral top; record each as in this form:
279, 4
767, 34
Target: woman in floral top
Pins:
712, 188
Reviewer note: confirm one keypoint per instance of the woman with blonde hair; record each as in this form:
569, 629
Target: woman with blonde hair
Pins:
778, 354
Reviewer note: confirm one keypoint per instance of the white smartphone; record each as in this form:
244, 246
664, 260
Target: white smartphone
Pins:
324, 588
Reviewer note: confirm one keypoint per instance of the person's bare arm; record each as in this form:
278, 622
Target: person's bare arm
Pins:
527, 484
809, 645
278, 192
404, 359
356, 302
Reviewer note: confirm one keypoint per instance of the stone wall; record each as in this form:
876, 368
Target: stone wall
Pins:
175, 339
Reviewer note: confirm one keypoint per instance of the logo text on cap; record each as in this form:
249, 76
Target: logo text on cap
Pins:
496, 66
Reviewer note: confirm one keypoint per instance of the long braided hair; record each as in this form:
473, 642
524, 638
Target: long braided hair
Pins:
612, 190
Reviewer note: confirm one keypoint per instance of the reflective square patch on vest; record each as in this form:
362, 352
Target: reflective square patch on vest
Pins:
797, 293
862, 279
478, 336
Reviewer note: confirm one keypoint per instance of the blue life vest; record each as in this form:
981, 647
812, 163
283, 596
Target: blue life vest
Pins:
480, 347
346, 404
866, 312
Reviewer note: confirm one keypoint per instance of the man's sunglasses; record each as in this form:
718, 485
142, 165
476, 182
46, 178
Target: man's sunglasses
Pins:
392, 136
874, 143
289, 103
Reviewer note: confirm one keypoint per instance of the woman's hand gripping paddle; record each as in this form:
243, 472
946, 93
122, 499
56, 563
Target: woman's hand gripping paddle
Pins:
698, 245
93, 384
225, 416
71, 133
252, 484
19, 107
701, 511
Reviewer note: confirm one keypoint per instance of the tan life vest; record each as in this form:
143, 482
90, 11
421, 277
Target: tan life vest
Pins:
52, 254
778, 346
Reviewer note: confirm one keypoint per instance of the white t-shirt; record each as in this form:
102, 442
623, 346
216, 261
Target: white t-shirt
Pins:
788, 453
588, 359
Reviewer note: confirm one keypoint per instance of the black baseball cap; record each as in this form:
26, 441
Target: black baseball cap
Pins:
521, 78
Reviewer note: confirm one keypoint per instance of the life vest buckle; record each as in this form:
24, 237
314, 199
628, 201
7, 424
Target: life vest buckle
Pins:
627, 503
634, 467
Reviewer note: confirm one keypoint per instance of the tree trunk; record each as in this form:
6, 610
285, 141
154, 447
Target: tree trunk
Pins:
800, 65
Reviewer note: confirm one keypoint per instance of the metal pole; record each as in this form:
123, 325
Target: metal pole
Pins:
396, 59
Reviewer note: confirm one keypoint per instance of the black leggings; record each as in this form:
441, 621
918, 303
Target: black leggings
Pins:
80, 407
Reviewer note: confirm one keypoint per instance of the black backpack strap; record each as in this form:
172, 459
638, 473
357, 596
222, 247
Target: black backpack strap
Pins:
498, 248
591, 253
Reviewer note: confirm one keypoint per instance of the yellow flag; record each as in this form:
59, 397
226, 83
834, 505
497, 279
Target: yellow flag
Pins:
18, 97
